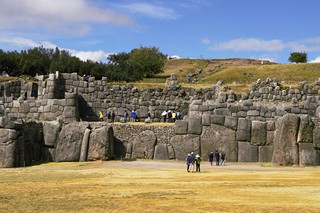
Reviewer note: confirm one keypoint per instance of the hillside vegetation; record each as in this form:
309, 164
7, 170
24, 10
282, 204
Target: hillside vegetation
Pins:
238, 74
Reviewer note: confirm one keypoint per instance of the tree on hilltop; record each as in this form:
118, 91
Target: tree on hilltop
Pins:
147, 60
298, 57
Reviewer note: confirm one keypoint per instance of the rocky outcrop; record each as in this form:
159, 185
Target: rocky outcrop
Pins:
8, 146
286, 149
69, 142
216, 137
101, 144
144, 144
183, 144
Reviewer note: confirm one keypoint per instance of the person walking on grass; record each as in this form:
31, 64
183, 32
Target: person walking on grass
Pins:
198, 162
188, 162
192, 160
223, 158
217, 156
210, 158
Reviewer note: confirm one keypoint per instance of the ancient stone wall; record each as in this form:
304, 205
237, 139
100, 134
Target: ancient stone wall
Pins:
39, 122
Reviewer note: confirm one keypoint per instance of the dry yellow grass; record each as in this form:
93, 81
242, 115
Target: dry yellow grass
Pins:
158, 186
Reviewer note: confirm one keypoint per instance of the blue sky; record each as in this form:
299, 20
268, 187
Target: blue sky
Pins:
92, 29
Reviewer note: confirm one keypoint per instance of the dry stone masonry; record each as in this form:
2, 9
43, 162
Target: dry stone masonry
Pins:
56, 119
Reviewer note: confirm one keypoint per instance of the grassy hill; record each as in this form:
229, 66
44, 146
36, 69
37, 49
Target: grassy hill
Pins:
238, 74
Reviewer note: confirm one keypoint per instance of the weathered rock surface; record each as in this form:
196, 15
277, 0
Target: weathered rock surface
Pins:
144, 144
316, 135
101, 144
195, 125
247, 152
285, 150
219, 137
308, 156
161, 152
305, 133
243, 130
69, 143
8, 146
85, 145
265, 153
184, 144
51, 130
258, 133
181, 127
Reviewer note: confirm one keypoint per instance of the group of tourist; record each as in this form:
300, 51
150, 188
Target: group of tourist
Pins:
220, 158
193, 161
110, 116
170, 116
167, 116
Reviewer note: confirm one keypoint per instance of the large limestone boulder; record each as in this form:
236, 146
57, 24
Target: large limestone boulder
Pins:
247, 152
143, 145
195, 125
51, 130
265, 153
316, 135
33, 142
9, 123
101, 143
184, 144
85, 145
161, 152
243, 130
8, 146
305, 133
258, 133
69, 143
308, 156
285, 149
219, 137
181, 127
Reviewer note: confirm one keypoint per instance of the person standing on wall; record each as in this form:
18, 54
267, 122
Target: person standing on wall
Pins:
101, 116
113, 115
109, 116
133, 116
169, 116
125, 115
174, 117
164, 115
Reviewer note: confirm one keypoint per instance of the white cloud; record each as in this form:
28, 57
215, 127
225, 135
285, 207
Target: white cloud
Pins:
68, 16
316, 60
150, 10
250, 44
98, 55
305, 45
26, 43
206, 41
